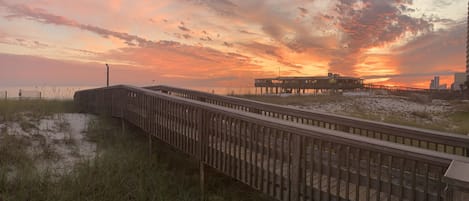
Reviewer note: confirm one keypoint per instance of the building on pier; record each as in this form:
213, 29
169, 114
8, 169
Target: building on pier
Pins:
332, 82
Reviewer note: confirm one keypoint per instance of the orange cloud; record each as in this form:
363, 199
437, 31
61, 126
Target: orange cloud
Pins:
228, 42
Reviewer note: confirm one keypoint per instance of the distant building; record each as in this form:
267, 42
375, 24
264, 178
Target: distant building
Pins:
459, 80
435, 83
443, 87
297, 84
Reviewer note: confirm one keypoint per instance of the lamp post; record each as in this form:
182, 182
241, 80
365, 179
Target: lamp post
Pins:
107, 75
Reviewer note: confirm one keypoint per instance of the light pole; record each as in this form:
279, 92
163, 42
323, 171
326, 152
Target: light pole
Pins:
107, 75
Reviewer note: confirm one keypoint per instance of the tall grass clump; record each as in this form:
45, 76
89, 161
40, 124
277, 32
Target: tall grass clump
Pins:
124, 169
13, 110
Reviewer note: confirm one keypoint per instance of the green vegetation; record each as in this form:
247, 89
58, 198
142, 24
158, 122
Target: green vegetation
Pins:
16, 110
456, 121
461, 118
123, 169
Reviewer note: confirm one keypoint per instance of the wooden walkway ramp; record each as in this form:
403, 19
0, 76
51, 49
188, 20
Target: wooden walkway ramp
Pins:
287, 160
427, 139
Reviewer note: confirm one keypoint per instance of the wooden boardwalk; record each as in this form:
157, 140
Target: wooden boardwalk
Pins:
287, 160
426, 139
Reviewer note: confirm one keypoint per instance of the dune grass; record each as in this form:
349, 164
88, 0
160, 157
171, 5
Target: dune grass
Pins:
123, 169
458, 118
14, 110
461, 118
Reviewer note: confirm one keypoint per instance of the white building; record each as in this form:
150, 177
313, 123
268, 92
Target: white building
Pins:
435, 83
459, 79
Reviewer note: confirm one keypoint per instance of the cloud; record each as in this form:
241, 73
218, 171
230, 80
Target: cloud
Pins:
221, 7
20, 70
227, 44
439, 51
183, 28
305, 37
206, 38
410, 75
371, 23
261, 49
42, 16
186, 36
303, 11
173, 58
23, 42
247, 32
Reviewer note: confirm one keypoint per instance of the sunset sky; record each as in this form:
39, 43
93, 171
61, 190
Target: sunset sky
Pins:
229, 42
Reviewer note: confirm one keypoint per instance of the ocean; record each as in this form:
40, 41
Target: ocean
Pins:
67, 92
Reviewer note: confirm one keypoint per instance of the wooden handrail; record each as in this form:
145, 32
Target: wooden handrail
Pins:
428, 139
283, 159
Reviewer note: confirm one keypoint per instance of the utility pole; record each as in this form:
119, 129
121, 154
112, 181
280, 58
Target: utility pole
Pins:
107, 81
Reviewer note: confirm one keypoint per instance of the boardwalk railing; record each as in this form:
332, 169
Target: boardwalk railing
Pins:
423, 138
283, 159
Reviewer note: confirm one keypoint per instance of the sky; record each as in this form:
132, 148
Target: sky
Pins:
228, 43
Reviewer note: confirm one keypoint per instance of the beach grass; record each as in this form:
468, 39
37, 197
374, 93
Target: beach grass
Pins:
14, 110
124, 168
458, 118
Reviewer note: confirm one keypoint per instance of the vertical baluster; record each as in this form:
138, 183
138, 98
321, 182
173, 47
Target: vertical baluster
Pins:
210, 139
441, 172
262, 152
339, 170
320, 150
192, 140
238, 145
186, 130
347, 178
390, 177
224, 144
213, 142
378, 188
414, 178
295, 149
401, 178
274, 170
166, 115
245, 148
256, 153
329, 170
220, 143
251, 152
368, 175
304, 168
289, 165
231, 148
282, 164
176, 127
425, 185
358, 170
269, 163
312, 158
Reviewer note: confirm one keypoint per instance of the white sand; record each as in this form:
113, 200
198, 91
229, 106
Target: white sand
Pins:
386, 106
58, 142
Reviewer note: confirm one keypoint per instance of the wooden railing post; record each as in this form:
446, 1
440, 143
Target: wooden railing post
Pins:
202, 121
296, 168
457, 181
